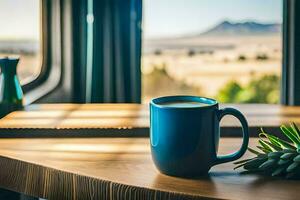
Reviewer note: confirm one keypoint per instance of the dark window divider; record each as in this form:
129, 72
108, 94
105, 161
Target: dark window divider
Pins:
290, 88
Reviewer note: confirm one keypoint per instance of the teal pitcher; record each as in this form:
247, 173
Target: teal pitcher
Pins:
11, 95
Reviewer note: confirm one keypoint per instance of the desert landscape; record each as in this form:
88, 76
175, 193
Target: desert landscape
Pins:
232, 62
204, 64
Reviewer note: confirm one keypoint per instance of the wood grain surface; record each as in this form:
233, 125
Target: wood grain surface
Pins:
90, 120
121, 168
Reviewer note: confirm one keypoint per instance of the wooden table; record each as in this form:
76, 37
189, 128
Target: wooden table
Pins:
121, 168
98, 120
103, 165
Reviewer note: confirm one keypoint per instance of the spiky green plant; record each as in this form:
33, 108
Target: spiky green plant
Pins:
275, 157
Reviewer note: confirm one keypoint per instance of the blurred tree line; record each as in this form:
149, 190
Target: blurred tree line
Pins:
260, 89
263, 89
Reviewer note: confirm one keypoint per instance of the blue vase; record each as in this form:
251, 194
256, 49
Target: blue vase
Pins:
11, 95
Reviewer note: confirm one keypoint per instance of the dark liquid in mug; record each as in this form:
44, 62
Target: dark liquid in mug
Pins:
183, 104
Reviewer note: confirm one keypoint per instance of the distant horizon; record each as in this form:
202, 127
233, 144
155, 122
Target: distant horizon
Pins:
179, 17
212, 26
209, 28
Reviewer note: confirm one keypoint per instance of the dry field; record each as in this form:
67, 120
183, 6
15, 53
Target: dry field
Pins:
210, 71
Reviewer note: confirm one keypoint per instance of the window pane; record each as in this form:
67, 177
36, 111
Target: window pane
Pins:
229, 50
20, 35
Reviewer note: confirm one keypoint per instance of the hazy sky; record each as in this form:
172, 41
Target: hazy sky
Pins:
20, 18
176, 17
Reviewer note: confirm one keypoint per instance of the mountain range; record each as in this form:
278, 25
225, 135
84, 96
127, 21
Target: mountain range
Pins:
226, 28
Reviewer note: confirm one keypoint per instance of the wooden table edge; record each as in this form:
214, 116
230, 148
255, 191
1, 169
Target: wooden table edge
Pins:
22, 179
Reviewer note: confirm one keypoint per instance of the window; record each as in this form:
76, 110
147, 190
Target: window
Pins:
228, 50
21, 35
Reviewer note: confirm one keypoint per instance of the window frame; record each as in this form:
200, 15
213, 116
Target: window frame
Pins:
290, 86
50, 75
51, 70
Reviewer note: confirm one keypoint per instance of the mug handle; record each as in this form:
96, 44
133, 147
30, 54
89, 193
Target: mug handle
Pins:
236, 155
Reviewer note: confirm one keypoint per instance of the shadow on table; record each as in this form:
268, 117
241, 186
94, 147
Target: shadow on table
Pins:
177, 184
10, 195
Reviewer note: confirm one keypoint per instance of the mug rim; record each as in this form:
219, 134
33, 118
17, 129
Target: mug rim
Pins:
154, 102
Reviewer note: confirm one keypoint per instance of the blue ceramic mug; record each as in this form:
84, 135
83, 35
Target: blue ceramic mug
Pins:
185, 132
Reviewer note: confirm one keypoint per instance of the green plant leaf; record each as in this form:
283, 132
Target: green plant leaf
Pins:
286, 144
268, 164
246, 161
296, 130
297, 159
283, 162
274, 147
254, 164
287, 156
289, 151
278, 141
278, 171
292, 167
271, 138
265, 146
288, 133
254, 151
263, 149
239, 166
275, 155
242, 161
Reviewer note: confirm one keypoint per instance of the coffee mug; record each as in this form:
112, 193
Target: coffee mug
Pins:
185, 132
